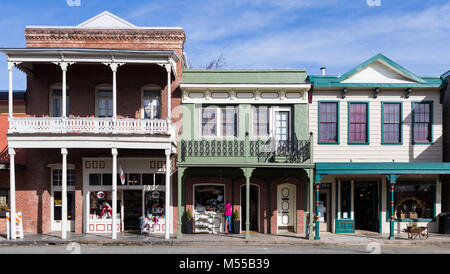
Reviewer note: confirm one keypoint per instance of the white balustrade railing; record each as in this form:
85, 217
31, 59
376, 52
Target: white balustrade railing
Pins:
89, 125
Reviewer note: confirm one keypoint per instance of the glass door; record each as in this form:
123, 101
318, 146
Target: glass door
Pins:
57, 210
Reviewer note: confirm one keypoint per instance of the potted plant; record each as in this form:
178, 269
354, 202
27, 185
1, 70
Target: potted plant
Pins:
188, 222
3, 210
236, 223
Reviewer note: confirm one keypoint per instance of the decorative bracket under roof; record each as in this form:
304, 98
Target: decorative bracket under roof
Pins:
344, 93
377, 91
408, 91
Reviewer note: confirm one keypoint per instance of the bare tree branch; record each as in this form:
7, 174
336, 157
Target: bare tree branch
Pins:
216, 63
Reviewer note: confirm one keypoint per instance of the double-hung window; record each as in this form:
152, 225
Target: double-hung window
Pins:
392, 123
422, 122
56, 102
261, 121
358, 123
219, 121
152, 104
104, 103
328, 122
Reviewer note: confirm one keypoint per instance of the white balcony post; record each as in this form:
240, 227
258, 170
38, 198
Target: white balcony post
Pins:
12, 195
114, 70
64, 89
169, 91
114, 153
64, 194
167, 205
10, 94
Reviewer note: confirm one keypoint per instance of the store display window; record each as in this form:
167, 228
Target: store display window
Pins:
4, 199
346, 199
154, 203
209, 198
101, 205
414, 201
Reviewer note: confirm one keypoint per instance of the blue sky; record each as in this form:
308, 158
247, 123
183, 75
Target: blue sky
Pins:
338, 34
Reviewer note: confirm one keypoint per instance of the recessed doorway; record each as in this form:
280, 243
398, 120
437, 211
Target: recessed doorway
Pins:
254, 207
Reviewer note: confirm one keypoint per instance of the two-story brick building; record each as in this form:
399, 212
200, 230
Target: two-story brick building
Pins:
379, 148
99, 131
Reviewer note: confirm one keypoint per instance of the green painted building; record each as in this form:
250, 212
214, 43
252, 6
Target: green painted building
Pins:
245, 140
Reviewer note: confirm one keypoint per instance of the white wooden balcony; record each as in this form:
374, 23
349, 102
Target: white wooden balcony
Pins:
60, 125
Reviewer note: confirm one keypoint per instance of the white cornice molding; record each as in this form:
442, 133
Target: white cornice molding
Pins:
246, 86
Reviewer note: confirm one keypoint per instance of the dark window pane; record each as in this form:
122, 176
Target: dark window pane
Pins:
107, 179
94, 179
160, 179
147, 179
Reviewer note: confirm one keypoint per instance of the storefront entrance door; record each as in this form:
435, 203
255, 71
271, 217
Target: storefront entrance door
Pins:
366, 206
324, 210
286, 207
132, 209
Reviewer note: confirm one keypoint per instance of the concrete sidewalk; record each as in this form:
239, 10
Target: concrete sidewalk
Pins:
257, 239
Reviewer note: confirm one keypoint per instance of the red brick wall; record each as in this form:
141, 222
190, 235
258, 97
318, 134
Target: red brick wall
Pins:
4, 185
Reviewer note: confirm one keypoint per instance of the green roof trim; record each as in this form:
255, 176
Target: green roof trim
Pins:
336, 81
282, 76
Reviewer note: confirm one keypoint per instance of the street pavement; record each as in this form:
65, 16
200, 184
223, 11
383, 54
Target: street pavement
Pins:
74, 248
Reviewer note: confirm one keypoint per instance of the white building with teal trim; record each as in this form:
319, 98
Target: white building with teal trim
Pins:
378, 150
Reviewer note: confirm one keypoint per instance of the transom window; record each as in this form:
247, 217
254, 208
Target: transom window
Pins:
104, 103
422, 122
392, 123
56, 102
219, 121
57, 177
328, 123
131, 179
151, 99
358, 125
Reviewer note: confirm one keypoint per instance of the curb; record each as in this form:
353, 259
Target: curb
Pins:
223, 243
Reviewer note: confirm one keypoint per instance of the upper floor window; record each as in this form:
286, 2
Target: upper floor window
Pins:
151, 103
275, 120
358, 123
56, 101
328, 122
219, 121
422, 122
261, 121
392, 123
104, 101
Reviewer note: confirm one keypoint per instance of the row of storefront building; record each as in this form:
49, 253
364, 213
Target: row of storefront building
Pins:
114, 127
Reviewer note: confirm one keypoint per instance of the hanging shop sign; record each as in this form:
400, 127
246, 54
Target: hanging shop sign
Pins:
155, 194
101, 195
122, 176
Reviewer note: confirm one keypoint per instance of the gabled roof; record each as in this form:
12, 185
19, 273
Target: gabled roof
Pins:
284, 76
378, 71
106, 20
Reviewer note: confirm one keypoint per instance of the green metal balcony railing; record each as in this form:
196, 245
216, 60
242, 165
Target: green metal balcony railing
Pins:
260, 151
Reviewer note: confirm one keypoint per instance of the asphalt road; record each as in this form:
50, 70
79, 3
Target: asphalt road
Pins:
363, 249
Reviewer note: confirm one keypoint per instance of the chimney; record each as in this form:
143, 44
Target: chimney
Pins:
324, 70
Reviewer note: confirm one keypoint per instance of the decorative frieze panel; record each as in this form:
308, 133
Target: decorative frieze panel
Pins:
233, 96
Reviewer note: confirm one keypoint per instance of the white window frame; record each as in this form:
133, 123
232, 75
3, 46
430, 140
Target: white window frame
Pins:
272, 121
150, 88
53, 189
218, 110
52, 88
98, 88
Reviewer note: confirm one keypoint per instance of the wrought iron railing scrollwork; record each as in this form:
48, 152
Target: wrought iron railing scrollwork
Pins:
296, 151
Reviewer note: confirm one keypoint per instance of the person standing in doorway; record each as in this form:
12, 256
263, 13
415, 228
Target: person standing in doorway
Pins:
227, 217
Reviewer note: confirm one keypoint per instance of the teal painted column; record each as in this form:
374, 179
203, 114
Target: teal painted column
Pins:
180, 205
311, 204
391, 203
317, 212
